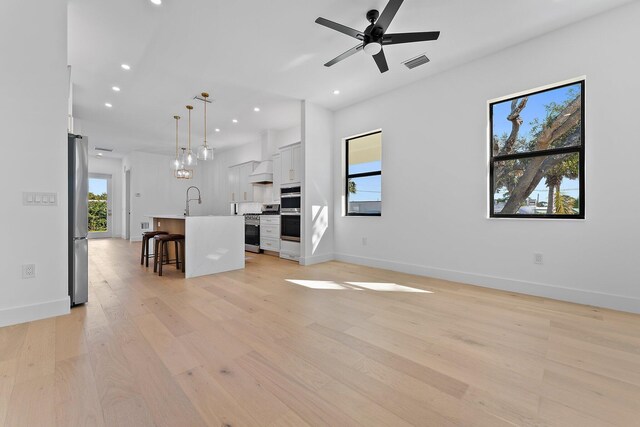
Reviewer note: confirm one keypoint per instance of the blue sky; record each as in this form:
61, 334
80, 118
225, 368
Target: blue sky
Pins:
97, 185
536, 108
368, 188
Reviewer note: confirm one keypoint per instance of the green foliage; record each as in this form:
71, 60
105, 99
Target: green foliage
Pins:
563, 204
352, 187
97, 212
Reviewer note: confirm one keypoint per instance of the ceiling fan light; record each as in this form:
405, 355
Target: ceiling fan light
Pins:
372, 48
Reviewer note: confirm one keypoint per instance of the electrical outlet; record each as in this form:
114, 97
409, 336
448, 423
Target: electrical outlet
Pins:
28, 271
538, 259
364, 241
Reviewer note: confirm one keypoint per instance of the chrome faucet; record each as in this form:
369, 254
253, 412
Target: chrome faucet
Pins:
186, 211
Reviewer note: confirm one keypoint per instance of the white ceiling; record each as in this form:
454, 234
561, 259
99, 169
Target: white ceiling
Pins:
268, 54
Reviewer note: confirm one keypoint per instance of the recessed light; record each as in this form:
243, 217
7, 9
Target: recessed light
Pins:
235, 120
336, 92
217, 130
156, 2
115, 88
99, 154
256, 109
108, 105
126, 67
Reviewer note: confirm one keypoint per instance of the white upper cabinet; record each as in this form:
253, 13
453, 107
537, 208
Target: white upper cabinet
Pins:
291, 164
277, 179
234, 184
240, 187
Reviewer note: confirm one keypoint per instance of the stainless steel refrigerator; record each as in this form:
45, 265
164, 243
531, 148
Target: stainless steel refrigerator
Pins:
78, 219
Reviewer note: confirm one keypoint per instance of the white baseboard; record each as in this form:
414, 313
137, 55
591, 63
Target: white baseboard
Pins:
316, 259
579, 296
28, 313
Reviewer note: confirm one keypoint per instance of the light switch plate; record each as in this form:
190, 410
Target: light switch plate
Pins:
39, 199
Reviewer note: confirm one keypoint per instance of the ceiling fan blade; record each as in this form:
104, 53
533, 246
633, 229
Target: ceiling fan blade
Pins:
410, 37
344, 55
341, 28
388, 13
381, 61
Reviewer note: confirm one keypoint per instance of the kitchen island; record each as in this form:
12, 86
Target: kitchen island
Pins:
213, 244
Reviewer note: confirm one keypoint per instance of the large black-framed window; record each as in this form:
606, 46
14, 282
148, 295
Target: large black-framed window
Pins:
537, 154
363, 182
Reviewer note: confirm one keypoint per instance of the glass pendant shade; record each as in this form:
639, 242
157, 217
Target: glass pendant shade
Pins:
190, 159
183, 171
205, 153
175, 164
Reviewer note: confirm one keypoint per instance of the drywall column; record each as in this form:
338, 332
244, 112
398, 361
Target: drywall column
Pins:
317, 194
34, 89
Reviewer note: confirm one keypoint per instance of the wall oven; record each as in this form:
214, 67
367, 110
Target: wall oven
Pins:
290, 199
290, 227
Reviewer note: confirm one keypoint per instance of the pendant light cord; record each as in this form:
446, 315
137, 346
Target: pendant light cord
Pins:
189, 107
205, 121
177, 118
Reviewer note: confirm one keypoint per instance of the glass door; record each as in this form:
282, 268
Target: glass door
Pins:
100, 214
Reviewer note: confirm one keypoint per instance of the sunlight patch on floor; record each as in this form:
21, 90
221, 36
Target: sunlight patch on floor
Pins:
356, 286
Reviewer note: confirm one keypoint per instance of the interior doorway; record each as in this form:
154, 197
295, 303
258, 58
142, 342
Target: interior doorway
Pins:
100, 206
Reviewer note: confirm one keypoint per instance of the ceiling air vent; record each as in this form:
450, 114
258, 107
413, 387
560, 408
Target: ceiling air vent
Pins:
416, 62
107, 150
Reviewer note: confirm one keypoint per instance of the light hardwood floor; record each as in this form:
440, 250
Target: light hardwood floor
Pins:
335, 344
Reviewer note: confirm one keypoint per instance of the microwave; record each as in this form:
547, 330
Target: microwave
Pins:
290, 199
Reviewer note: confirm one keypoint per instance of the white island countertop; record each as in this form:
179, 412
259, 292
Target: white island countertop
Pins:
213, 243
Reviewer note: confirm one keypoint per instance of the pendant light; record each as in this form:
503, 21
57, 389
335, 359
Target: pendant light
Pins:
189, 157
183, 172
205, 152
175, 163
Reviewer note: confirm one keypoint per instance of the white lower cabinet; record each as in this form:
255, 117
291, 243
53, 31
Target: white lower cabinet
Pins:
270, 244
270, 233
290, 250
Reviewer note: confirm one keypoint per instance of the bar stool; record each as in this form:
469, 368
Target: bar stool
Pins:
161, 242
146, 238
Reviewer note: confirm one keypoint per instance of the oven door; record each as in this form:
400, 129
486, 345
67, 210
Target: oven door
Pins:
252, 234
290, 227
290, 203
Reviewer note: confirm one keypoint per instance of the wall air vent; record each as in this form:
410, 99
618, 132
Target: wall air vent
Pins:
107, 150
416, 62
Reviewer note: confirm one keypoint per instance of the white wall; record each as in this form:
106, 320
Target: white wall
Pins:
317, 212
154, 189
434, 213
33, 116
112, 167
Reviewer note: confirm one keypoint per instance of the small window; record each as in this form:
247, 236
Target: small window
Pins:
363, 185
537, 154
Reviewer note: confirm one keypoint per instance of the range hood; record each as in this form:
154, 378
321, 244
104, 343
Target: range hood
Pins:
263, 174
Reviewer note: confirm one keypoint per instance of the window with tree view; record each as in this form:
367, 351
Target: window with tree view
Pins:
364, 175
537, 154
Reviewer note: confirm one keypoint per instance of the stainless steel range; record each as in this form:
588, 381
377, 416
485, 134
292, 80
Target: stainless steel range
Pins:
252, 232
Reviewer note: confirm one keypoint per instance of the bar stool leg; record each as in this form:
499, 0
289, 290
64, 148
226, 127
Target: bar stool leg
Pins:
177, 255
144, 244
155, 255
161, 257
147, 242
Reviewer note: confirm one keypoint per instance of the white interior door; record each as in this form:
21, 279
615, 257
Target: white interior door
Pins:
100, 206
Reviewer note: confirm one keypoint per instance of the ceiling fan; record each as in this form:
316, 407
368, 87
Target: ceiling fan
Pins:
374, 37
